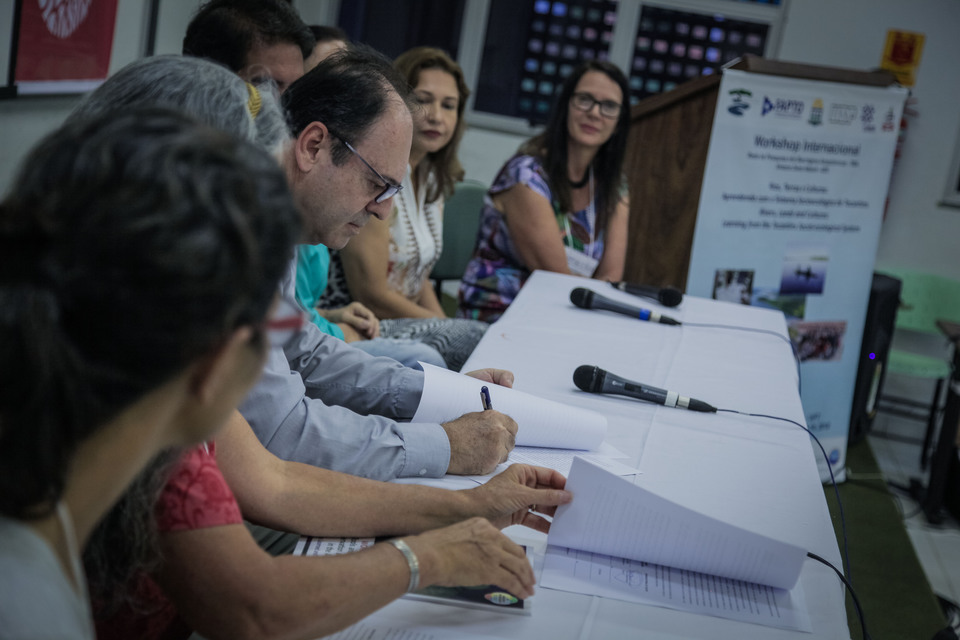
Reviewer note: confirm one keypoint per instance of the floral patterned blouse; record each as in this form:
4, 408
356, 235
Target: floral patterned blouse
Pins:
496, 272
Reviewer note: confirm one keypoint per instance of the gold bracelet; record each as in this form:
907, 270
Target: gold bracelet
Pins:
412, 562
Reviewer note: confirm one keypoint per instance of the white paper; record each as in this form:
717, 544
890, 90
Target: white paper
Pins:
367, 631
634, 581
371, 630
447, 395
311, 546
612, 516
561, 460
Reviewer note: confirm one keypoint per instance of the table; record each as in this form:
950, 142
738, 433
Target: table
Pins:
758, 473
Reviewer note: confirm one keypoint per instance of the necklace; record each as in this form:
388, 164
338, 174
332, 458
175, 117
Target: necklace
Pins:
415, 257
583, 181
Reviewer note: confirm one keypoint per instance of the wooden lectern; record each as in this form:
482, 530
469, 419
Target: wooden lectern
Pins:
666, 158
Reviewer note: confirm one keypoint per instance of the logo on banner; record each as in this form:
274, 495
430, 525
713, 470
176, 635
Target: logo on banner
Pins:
816, 113
62, 17
866, 117
844, 114
888, 124
782, 107
739, 104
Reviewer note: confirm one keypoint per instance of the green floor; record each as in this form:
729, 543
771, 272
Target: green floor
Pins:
890, 584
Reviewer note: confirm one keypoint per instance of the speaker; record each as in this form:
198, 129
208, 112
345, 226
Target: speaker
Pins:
877, 334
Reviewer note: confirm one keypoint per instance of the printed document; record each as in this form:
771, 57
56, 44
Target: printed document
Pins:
619, 540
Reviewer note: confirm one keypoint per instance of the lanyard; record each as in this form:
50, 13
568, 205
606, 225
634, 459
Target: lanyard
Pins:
591, 219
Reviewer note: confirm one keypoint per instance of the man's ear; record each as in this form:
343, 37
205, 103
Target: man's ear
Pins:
311, 145
213, 373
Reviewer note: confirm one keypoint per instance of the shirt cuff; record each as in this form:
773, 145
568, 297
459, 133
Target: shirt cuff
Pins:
426, 450
407, 391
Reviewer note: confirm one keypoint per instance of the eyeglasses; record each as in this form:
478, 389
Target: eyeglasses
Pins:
585, 102
391, 189
285, 322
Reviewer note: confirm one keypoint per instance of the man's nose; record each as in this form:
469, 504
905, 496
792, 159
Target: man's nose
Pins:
380, 210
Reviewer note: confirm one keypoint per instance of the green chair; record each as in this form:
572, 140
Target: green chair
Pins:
461, 218
924, 299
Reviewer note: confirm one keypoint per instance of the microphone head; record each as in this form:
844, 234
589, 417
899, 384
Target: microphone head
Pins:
582, 297
670, 296
589, 378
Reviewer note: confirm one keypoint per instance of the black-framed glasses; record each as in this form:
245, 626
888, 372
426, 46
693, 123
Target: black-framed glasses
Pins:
584, 102
391, 189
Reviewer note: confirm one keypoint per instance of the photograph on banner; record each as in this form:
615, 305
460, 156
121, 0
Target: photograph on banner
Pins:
792, 306
733, 285
819, 340
789, 218
804, 269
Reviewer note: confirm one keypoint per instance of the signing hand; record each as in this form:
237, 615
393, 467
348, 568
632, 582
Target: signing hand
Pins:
469, 553
501, 377
512, 496
479, 441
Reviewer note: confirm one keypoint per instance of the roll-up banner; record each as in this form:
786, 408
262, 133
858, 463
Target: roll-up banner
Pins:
791, 204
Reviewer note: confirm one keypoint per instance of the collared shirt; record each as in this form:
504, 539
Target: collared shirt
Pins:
322, 402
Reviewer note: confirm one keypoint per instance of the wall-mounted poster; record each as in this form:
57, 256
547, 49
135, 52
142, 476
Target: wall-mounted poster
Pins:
63, 46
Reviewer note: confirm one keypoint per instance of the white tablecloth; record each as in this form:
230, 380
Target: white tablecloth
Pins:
757, 473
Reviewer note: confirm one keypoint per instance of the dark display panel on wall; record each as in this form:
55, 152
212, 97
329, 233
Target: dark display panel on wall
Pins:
395, 26
532, 45
672, 47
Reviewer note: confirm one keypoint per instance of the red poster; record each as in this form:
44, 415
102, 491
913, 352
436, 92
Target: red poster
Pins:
65, 40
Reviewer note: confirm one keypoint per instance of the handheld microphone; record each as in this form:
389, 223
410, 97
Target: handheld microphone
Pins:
596, 380
587, 299
667, 296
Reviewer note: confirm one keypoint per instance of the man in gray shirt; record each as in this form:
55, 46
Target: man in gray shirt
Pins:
321, 401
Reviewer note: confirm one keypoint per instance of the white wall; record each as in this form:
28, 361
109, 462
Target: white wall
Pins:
918, 233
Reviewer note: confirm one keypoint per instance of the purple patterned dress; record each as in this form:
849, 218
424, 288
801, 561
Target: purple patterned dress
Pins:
496, 272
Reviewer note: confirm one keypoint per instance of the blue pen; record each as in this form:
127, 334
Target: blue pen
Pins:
485, 398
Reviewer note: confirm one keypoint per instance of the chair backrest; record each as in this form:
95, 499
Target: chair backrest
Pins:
924, 299
461, 218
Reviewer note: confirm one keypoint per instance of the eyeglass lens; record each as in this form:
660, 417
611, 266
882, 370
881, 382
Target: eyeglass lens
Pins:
391, 188
585, 102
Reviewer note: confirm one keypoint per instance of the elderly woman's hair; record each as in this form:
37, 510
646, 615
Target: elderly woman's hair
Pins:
444, 163
551, 145
206, 90
124, 547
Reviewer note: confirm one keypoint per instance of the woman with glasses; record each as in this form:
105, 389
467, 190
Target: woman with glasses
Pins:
560, 204
387, 266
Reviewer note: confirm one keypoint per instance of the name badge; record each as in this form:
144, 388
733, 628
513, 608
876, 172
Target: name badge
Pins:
580, 263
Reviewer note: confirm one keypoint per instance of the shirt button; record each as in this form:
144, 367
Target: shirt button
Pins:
423, 472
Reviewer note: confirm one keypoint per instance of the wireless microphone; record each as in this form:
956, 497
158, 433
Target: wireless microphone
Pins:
587, 299
667, 296
595, 380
